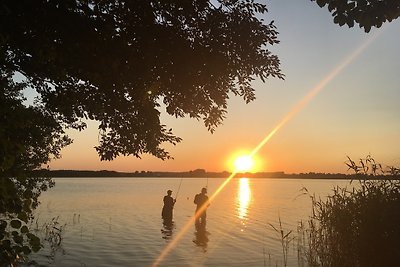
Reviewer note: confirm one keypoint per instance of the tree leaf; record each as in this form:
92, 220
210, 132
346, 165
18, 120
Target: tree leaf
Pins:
15, 224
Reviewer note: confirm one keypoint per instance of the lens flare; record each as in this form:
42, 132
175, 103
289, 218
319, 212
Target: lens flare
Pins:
313, 92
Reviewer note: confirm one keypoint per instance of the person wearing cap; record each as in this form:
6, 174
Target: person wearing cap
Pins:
169, 203
201, 200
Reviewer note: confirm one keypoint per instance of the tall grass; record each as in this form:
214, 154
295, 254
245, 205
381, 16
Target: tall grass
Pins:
352, 227
286, 238
361, 226
51, 234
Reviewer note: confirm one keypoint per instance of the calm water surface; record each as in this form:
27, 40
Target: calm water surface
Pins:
117, 221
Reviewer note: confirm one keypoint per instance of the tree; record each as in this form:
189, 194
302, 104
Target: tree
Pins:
117, 62
29, 137
367, 13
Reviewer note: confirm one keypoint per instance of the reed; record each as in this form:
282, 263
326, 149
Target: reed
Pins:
51, 235
285, 238
352, 227
358, 226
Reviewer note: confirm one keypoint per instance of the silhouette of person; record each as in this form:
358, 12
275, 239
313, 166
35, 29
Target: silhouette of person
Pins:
169, 203
201, 200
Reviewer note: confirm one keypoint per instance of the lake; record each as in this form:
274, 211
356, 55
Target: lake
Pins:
117, 221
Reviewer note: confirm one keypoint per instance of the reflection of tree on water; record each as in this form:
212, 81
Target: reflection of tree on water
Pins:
201, 236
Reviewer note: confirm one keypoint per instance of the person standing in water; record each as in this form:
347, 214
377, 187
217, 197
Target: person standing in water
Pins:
169, 203
201, 200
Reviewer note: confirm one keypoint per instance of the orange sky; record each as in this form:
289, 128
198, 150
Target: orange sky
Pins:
354, 111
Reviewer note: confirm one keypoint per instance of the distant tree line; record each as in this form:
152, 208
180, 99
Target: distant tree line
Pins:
201, 173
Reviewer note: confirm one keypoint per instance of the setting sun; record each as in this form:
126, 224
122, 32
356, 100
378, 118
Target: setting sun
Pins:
244, 163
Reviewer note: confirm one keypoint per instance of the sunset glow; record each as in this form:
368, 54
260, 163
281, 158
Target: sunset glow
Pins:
244, 163
243, 160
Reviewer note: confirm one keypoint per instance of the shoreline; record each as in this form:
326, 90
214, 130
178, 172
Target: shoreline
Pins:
201, 174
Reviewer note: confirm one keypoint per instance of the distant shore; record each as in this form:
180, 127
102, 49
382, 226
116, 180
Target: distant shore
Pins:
199, 173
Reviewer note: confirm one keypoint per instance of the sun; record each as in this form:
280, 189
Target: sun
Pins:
243, 163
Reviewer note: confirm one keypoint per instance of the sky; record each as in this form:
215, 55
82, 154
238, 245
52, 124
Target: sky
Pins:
353, 109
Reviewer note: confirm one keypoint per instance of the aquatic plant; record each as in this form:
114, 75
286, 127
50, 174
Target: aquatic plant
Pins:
50, 235
361, 226
285, 238
53, 235
53, 232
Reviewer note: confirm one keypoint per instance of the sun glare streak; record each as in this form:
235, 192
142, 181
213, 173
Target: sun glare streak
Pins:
314, 91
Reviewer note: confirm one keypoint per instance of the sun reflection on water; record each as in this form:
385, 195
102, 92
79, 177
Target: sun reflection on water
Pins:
243, 200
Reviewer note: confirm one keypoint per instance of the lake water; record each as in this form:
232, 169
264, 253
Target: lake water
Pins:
117, 221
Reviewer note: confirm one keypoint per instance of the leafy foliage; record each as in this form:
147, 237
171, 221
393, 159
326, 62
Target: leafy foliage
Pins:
29, 137
117, 61
358, 227
17, 200
367, 13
